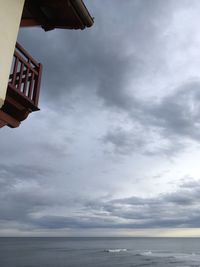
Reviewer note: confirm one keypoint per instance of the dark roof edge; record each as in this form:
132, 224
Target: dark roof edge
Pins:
82, 12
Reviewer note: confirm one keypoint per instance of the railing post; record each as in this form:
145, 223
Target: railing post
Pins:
38, 83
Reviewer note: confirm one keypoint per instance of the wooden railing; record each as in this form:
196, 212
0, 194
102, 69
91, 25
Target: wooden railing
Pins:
25, 78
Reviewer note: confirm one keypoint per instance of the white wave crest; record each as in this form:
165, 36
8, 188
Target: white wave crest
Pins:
146, 253
115, 250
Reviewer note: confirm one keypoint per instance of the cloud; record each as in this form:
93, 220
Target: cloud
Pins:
176, 209
21, 191
178, 114
26, 203
128, 86
102, 59
110, 65
163, 127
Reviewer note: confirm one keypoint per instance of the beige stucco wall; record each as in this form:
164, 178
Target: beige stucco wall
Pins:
10, 16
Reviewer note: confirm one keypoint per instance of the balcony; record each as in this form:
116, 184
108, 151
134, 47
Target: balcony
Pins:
23, 89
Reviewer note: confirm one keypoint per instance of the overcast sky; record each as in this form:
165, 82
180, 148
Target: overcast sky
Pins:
115, 148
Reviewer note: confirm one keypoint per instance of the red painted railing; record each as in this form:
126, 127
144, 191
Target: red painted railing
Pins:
25, 78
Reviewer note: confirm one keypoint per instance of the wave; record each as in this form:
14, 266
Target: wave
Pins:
146, 253
189, 256
116, 250
193, 257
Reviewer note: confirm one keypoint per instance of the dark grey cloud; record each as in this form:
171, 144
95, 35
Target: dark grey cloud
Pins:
178, 114
97, 60
102, 60
84, 222
123, 141
80, 61
169, 123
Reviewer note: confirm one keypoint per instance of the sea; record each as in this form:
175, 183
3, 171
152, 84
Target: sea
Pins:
99, 252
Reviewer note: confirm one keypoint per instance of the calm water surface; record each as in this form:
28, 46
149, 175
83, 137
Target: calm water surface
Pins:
99, 252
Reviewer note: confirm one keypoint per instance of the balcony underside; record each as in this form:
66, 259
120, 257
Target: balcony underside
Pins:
15, 109
8, 120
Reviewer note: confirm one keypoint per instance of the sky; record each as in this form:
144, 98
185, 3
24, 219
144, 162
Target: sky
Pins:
115, 148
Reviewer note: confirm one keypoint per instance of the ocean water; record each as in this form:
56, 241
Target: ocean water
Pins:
99, 252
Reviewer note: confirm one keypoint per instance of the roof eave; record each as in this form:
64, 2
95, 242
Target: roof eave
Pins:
82, 12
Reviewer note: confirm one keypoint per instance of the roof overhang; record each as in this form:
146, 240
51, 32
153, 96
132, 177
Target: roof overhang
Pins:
51, 14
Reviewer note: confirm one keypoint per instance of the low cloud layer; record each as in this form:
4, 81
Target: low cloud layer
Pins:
25, 202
